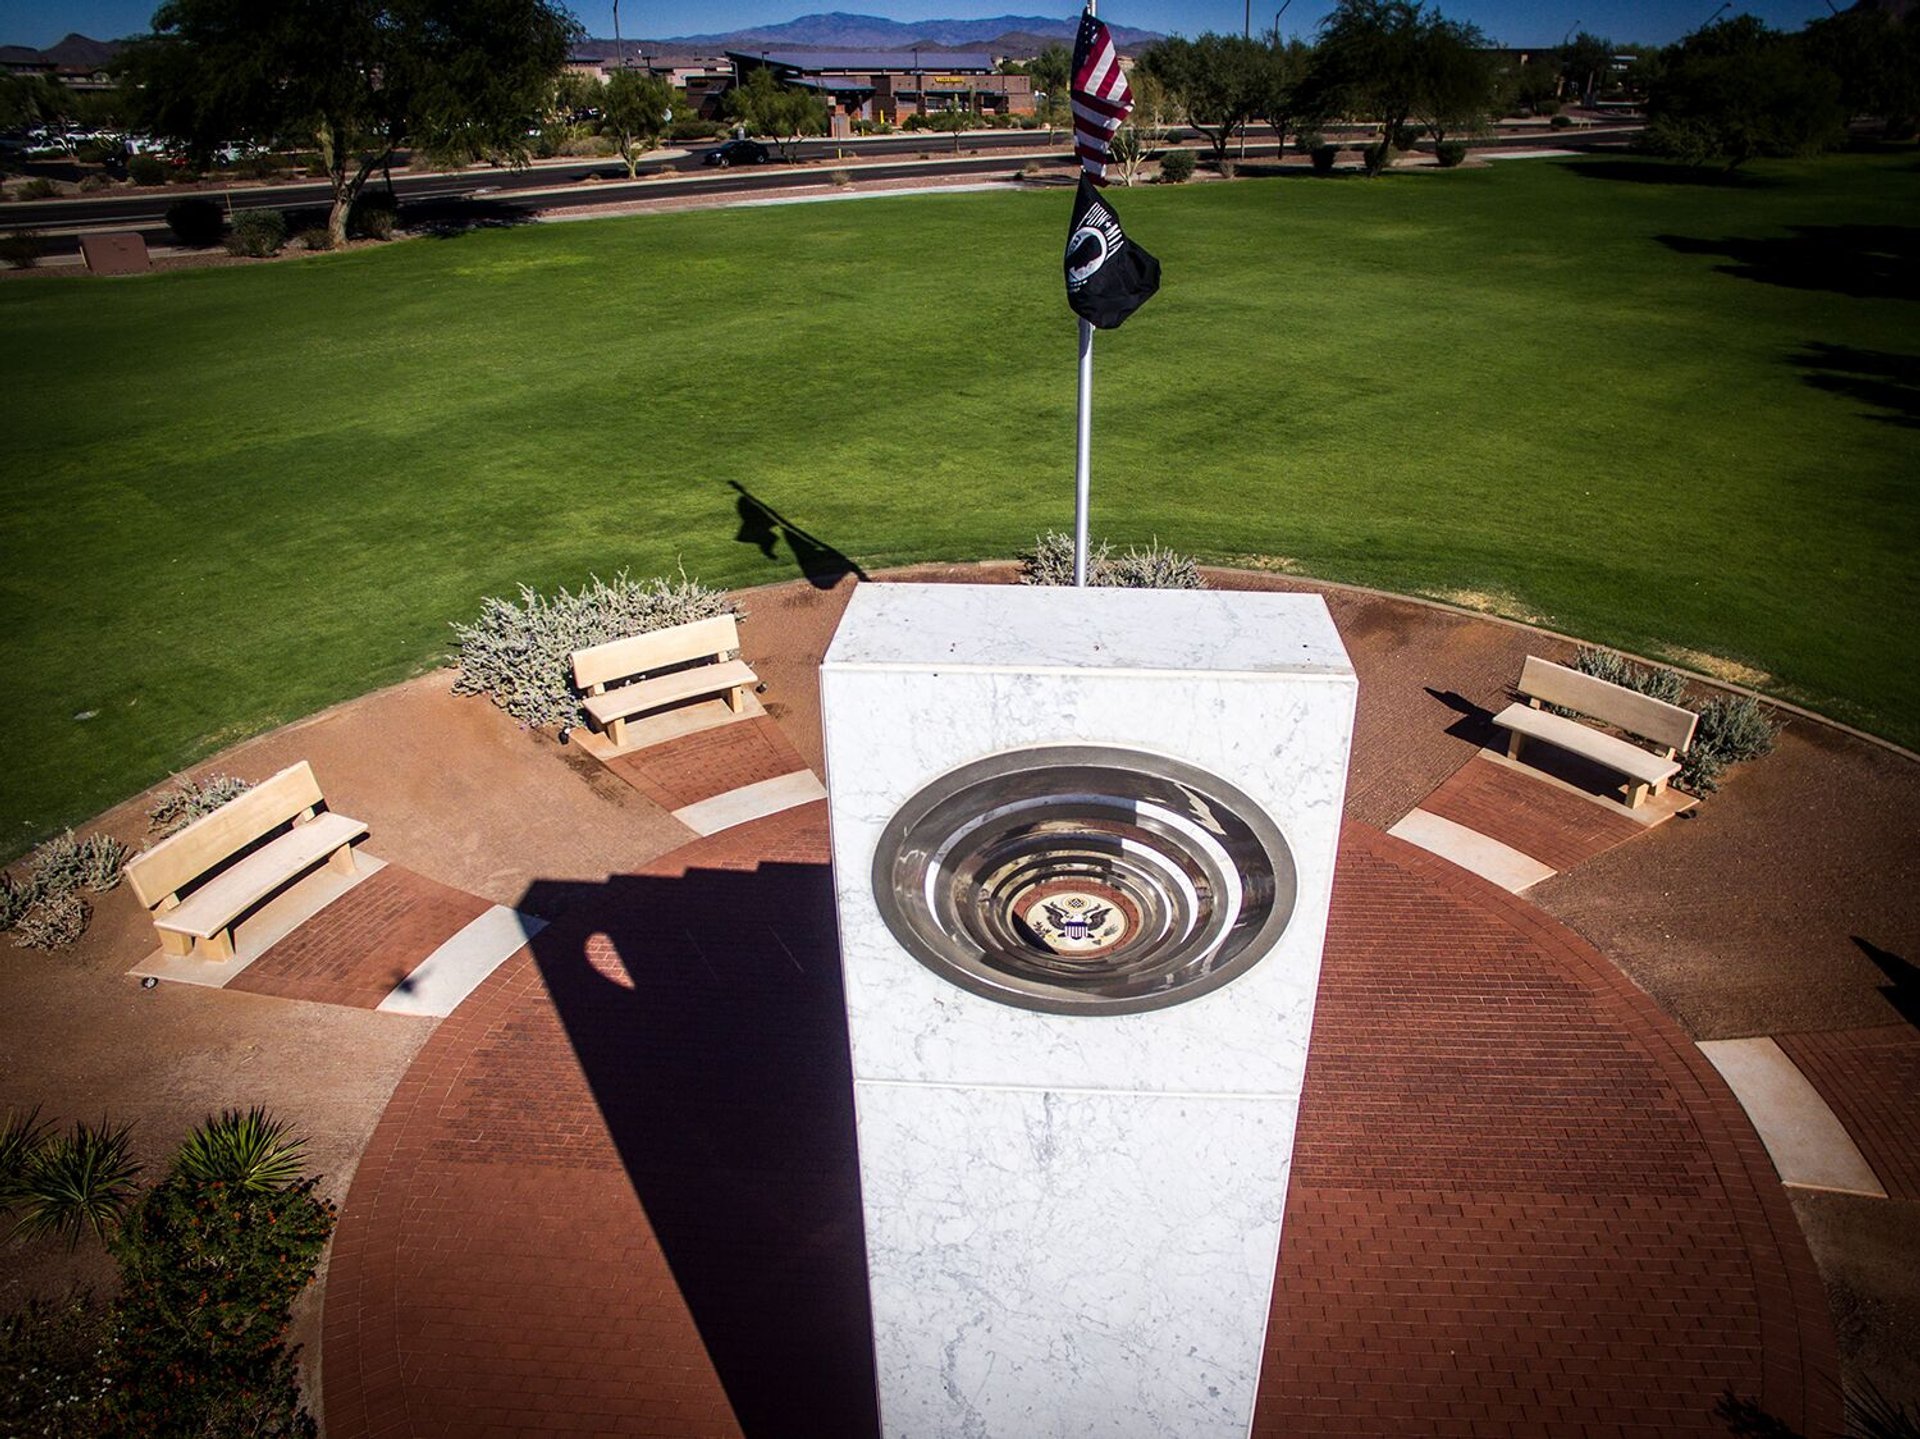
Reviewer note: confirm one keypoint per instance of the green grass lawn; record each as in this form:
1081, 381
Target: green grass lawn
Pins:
1663, 416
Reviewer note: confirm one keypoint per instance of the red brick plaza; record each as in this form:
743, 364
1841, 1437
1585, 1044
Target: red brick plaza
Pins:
616, 1193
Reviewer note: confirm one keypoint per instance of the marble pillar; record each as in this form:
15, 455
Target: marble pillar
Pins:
1073, 1202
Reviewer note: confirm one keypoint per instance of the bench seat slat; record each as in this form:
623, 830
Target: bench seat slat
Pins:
669, 689
1606, 749
212, 907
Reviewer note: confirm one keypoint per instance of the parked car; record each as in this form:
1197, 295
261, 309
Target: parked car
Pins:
738, 152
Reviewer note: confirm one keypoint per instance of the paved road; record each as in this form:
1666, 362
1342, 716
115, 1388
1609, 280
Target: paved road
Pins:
482, 196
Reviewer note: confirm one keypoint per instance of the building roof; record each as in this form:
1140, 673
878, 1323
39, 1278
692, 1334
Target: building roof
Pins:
817, 62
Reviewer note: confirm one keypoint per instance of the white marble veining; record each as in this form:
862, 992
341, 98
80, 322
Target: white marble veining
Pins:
1068, 1264
1044, 627
1072, 1221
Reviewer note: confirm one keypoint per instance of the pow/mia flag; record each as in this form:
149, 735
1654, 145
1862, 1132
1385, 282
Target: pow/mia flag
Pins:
1108, 276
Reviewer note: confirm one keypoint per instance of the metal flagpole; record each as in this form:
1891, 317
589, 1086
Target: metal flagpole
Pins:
1080, 480
1084, 437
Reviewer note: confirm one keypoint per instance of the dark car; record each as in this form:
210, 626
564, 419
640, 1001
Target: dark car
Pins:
738, 152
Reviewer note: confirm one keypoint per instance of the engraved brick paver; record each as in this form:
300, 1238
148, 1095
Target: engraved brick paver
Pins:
1870, 1078
1528, 814
365, 942
616, 1194
699, 766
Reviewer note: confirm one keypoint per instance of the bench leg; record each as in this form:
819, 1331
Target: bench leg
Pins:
341, 860
175, 943
1636, 795
218, 946
737, 698
617, 732
1514, 740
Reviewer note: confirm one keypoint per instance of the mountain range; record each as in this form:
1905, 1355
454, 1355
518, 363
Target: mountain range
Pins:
1001, 35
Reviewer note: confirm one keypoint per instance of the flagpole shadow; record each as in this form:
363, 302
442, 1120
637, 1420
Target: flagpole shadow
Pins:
762, 526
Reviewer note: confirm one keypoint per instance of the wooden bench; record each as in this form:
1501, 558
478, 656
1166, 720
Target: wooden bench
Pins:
1669, 726
196, 894
624, 678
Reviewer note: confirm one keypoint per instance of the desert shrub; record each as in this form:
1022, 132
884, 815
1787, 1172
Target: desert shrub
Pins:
196, 222
1228, 169
263, 166
52, 921
20, 249
1307, 141
314, 237
682, 131
373, 215
1176, 166
1546, 107
1450, 153
1661, 684
189, 799
1560, 122
1032, 169
22, 1140
15, 900
39, 188
1375, 156
1731, 729
1155, 568
45, 911
1324, 157
147, 170
94, 183
75, 1182
1050, 562
1405, 137
53, 1373
258, 233
587, 147
518, 654
841, 179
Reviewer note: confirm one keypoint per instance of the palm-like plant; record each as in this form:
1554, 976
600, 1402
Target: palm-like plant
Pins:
21, 1141
78, 1181
250, 1151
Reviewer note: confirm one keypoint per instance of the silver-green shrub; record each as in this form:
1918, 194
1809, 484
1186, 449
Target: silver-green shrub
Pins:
1660, 684
1731, 729
46, 910
1050, 562
190, 799
518, 654
54, 920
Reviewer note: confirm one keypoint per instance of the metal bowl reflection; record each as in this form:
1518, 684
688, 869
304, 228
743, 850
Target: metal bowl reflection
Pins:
1084, 879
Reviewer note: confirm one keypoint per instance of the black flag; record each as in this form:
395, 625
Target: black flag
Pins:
1108, 276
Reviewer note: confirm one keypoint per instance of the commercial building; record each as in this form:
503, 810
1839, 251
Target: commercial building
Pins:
893, 85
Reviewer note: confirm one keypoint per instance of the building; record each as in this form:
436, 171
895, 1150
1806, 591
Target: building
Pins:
892, 85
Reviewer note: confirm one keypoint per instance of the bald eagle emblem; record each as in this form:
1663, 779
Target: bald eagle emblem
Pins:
1073, 925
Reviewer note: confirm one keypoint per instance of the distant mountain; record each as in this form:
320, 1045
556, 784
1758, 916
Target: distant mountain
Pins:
839, 31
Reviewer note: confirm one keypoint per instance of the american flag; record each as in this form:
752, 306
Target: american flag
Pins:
1101, 99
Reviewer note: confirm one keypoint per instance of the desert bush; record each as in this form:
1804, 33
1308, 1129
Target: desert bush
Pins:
1032, 169
189, 799
45, 911
373, 215
53, 1379
1405, 137
1546, 107
1050, 562
22, 1139
1228, 169
196, 222
314, 237
93, 184
518, 654
1155, 568
1560, 122
1324, 157
20, 249
683, 131
39, 188
1661, 684
147, 170
1450, 153
52, 921
15, 900
588, 147
1375, 156
841, 179
258, 233
1732, 729
1307, 141
1176, 167
78, 1181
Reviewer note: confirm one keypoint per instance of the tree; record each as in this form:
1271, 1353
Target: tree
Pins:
1217, 81
1736, 90
955, 122
780, 112
1048, 71
1283, 100
1392, 60
357, 79
1144, 129
635, 106
1584, 63
1875, 56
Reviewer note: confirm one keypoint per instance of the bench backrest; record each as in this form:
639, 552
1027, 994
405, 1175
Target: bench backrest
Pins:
1652, 719
637, 654
181, 858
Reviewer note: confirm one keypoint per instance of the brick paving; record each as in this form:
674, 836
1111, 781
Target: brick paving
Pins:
365, 942
1526, 813
1870, 1078
616, 1193
699, 766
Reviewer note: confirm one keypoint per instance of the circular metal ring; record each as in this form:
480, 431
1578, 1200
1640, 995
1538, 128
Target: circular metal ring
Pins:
1084, 879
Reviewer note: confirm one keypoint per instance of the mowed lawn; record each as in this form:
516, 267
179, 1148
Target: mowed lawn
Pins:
1678, 418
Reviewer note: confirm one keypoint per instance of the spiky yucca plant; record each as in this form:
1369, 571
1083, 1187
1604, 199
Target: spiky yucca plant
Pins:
78, 1181
21, 1141
251, 1151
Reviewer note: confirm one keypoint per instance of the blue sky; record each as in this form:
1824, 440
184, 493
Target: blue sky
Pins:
1509, 22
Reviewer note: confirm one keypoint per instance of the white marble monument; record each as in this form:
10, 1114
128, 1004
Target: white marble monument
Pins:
1083, 844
